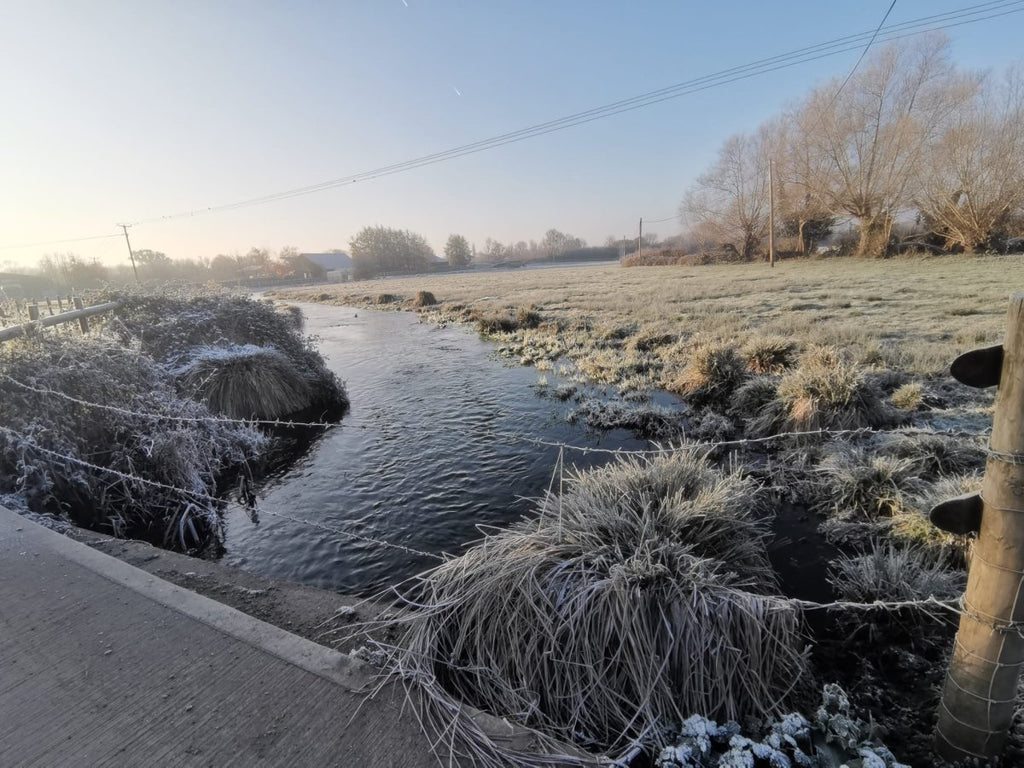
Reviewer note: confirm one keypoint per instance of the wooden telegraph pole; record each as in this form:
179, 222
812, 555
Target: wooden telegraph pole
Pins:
988, 654
130, 254
640, 240
771, 214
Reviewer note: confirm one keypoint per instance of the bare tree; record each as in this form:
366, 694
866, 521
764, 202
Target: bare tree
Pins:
875, 131
728, 205
801, 175
972, 183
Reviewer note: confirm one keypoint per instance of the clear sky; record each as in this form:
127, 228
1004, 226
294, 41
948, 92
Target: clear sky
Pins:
126, 110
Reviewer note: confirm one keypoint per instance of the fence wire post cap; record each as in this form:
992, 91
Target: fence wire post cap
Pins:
960, 515
979, 368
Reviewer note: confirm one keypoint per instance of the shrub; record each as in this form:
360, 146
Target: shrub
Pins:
556, 621
424, 299
712, 375
826, 392
157, 474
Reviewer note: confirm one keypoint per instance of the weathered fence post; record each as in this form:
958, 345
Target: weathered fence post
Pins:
83, 322
33, 312
988, 654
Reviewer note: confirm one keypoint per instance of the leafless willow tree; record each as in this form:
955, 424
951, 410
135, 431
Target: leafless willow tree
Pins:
972, 182
875, 133
728, 204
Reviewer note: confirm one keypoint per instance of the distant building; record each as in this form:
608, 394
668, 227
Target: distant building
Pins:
337, 265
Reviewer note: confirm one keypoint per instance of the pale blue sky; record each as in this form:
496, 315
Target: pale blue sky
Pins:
126, 110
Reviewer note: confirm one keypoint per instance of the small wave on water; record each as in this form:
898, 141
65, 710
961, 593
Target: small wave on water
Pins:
428, 453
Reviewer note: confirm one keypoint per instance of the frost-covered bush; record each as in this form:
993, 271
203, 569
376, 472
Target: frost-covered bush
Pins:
96, 433
833, 738
175, 330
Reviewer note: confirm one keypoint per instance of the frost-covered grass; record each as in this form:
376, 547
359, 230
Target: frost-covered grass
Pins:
245, 382
183, 331
638, 596
165, 471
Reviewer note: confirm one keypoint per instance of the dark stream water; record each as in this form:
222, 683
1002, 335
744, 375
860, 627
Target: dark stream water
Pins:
424, 457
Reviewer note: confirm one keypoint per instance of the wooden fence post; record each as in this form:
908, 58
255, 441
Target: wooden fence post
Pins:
988, 654
83, 322
33, 312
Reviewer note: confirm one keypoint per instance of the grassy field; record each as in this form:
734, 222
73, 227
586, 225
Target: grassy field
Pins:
912, 315
752, 352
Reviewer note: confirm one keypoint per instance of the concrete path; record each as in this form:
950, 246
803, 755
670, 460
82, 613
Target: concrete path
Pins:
102, 664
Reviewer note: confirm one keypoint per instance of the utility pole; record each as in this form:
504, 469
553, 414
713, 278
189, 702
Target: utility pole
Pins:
640, 240
771, 213
978, 699
130, 254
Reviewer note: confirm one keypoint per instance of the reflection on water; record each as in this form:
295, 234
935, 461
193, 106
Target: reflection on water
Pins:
423, 458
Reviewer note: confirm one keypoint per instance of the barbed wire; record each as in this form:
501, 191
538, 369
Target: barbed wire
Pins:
26, 442
162, 416
513, 436
711, 445
954, 606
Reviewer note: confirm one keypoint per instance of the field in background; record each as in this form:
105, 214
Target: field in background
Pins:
912, 315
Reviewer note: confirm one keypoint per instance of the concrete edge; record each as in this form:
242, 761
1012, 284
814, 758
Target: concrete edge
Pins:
334, 666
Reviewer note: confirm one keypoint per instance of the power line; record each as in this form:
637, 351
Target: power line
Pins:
865, 51
55, 242
958, 17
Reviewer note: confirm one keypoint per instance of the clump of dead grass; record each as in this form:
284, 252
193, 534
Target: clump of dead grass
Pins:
172, 327
424, 299
711, 376
936, 455
245, 382
856, 485
769, 354
555, 623
825, 391
909, 397
888, 572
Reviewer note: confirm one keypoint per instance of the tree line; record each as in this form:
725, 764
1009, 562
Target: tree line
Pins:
908, 140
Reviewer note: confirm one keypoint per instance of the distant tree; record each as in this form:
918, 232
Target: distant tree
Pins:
972, 182
71, 271
456, 250
556, 243
224, 267
874, 133
146, 257
382, 251
728, 204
